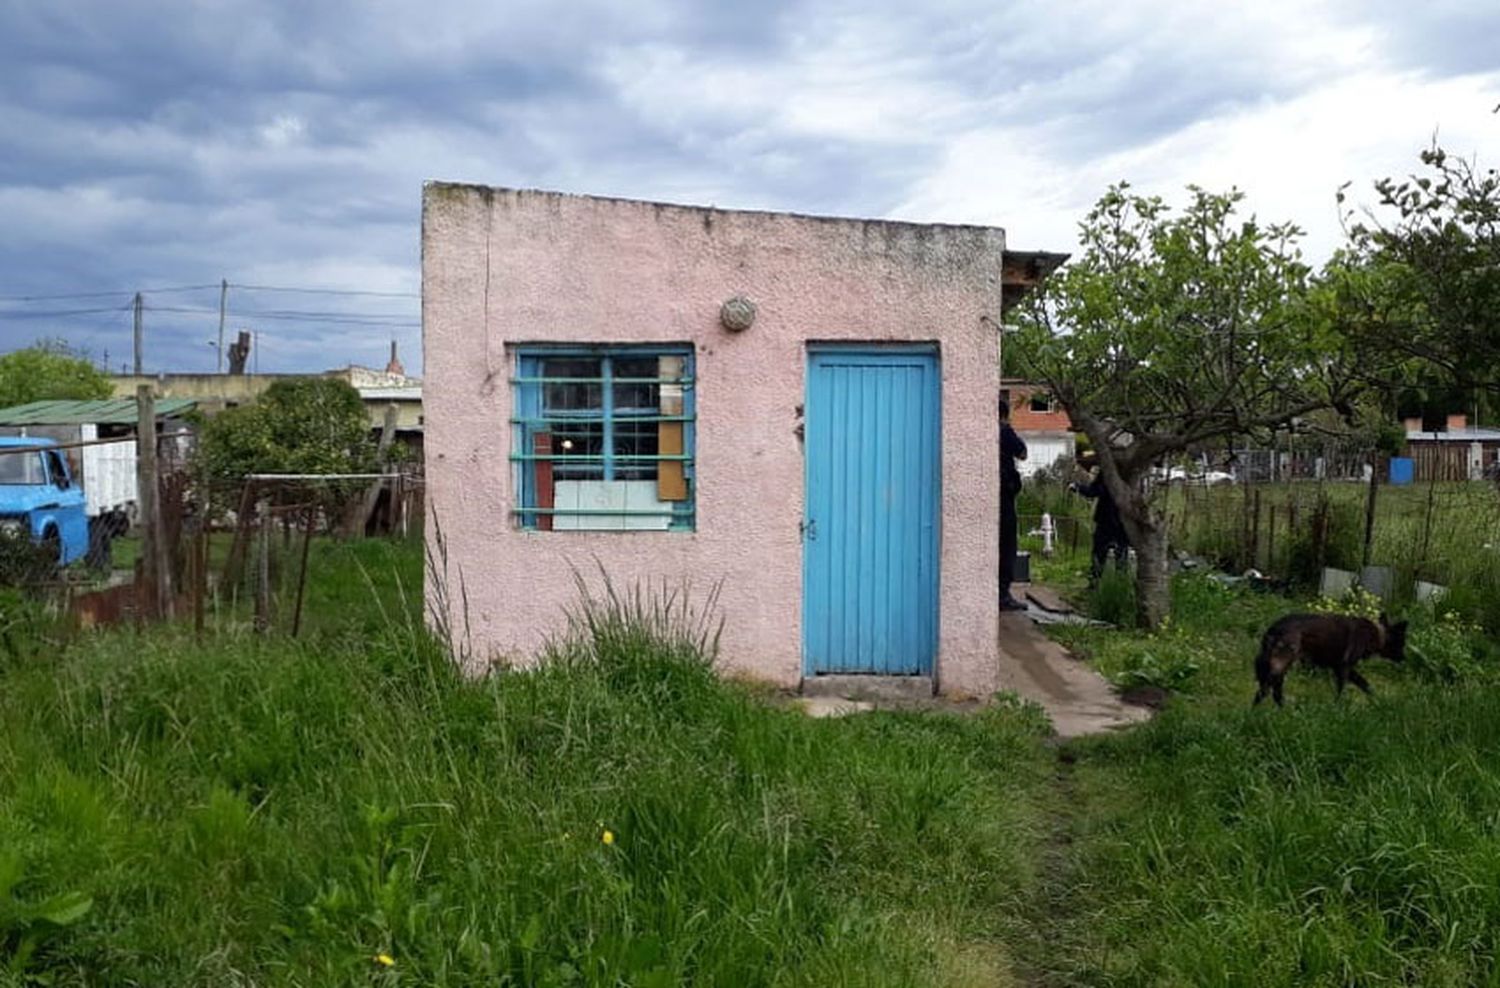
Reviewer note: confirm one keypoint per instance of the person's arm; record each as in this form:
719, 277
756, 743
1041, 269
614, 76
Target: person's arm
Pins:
1012, 443
1093, 488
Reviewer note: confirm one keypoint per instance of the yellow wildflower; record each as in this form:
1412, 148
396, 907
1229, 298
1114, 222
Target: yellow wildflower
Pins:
608, 837
385, 960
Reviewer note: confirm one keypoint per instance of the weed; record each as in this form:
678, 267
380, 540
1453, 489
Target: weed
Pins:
29, 926
1444, 647
350, 807
1113, 600
1165, 669
1355, 602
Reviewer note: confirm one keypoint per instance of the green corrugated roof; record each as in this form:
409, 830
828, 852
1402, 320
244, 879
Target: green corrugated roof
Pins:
110, 411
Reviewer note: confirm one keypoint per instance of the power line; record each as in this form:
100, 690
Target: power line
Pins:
163, 289
371, 319
57, 313
322, 291
125, 292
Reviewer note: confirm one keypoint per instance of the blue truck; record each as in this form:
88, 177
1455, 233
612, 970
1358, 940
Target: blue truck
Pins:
40, 498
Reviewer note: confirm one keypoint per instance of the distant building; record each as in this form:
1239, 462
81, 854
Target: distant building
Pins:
1458, 451
216, 392
1041, 421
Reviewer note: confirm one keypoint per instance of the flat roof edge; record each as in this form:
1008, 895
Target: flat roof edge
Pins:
490, 191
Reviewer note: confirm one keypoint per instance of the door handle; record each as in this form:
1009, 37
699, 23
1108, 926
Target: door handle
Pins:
808, 528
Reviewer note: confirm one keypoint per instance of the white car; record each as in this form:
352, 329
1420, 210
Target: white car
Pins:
1179, 475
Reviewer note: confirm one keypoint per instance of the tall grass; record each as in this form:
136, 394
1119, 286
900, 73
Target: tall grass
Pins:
270, 812
274, 812
1328, 844
1336, 842
1445, 533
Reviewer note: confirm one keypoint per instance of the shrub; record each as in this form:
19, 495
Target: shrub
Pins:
1447, 648
26, 629
1167, 669
1113, 600
23, 562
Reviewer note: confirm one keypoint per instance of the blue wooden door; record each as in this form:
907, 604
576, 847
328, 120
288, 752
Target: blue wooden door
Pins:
870, 537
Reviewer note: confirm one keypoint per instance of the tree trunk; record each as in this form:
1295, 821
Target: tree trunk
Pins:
1153, 585
1148, 536
1124, 471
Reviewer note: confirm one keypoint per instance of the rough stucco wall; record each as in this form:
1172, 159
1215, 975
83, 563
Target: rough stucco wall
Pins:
588, 270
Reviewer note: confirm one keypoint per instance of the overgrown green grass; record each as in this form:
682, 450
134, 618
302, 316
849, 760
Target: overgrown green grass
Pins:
1335, 842
264, 812
270, 812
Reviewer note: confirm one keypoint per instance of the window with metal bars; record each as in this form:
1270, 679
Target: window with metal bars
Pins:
604, 438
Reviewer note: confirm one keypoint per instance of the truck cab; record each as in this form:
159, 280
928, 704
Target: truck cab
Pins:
40, 498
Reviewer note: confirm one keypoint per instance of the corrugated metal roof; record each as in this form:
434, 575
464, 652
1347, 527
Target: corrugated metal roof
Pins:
109, 411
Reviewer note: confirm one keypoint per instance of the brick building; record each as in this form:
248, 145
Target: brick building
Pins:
1040, 421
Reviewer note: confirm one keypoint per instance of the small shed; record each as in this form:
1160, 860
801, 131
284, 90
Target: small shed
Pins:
800, 410
107, 470
1459, 451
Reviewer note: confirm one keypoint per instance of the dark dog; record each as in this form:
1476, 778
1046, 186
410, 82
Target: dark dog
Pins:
1331, 641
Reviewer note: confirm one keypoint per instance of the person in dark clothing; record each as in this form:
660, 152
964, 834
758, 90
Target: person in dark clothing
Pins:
1109, 530
1012, 448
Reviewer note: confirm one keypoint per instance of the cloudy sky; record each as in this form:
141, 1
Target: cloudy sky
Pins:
282, 144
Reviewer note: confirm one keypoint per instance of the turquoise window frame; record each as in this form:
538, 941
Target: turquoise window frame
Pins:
530, 417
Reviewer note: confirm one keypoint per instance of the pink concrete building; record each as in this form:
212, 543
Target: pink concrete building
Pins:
799, 409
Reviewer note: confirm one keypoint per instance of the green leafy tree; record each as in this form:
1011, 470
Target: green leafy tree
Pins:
49, 370
1424, 285
1172, 330
311, 425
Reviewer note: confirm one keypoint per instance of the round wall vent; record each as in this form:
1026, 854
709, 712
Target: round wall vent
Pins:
737, 314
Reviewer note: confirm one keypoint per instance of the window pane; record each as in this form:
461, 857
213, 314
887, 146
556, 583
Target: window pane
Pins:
21, 468
584, 495
638, 397
585, 438
635, 439
568, 397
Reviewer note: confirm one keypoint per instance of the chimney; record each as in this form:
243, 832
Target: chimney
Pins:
1413, 423
1458, 422
394, 367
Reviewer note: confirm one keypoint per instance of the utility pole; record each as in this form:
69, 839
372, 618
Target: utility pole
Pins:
223, 308
148, 583
139, 363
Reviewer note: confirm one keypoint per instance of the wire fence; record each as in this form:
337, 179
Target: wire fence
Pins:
1318, 523
218, 554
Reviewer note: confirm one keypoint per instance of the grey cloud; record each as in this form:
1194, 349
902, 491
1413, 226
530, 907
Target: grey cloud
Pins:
283, 141
1437, 38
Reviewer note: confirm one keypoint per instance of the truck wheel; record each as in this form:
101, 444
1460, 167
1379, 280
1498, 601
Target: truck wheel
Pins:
51, 551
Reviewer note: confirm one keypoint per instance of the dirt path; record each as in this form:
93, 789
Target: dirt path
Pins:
1077, 698
1042, 949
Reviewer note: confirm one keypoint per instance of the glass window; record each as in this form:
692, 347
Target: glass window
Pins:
604, 438
21, 467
